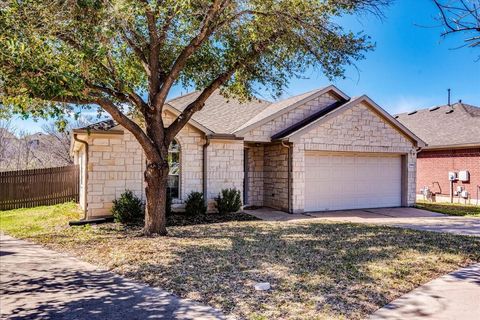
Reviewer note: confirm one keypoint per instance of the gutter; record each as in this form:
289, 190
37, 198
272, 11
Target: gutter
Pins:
86, 172
223, 136
204, 170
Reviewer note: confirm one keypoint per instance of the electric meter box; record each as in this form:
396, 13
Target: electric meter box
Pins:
463, 175
464, 194
452, 176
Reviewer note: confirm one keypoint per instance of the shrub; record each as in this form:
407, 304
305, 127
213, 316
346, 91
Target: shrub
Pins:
128, 209
228, 201
195, 204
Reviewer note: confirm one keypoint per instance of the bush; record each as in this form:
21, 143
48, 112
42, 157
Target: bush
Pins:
195, 204
128, 209
228, 201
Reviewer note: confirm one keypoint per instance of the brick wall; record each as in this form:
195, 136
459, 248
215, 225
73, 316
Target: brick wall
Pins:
433, 166
267, 130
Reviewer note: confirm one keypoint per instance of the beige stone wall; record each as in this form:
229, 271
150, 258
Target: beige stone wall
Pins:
117, 162
358, 129
255, 175
265, 131
225, 167
276, 177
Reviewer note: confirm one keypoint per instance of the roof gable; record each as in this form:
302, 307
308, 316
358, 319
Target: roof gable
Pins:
352, 103
281, 107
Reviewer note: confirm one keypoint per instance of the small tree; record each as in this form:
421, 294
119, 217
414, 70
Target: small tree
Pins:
125, 56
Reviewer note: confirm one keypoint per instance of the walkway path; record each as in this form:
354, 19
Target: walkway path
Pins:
36, 283
451, 297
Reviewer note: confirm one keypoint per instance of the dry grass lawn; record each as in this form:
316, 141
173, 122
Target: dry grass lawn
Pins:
317, 270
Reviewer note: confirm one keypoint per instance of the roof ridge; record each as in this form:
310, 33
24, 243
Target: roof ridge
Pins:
440, 106
182, 96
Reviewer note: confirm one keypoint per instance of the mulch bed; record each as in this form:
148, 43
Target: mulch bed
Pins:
181, 219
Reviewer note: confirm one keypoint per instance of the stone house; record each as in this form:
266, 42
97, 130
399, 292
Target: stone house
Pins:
320, 150
452, 133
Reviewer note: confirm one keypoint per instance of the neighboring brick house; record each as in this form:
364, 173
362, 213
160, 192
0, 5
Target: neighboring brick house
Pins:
316, 151
452, 134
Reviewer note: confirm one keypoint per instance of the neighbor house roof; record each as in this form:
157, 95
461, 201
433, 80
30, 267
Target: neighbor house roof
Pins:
444, 126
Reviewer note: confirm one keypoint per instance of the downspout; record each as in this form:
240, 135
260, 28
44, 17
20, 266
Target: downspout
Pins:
204, 171
86, 173
289, 170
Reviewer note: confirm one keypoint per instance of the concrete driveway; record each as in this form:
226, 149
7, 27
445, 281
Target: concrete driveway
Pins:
410, 218
36, 283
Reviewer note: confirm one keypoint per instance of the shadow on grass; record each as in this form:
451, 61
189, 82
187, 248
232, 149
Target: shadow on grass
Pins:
313, 267
316, 269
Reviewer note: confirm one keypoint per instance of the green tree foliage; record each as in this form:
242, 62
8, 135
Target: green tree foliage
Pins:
124, 56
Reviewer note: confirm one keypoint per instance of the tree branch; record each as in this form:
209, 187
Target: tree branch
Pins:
205, 31
197, 105
148, 146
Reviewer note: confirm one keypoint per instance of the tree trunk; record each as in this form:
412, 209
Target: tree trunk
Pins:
156, 176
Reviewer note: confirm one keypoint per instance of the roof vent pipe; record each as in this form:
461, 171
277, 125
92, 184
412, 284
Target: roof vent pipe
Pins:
448, 96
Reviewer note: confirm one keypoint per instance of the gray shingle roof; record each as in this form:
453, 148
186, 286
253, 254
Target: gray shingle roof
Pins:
221, 115
101, 126
440, 126
227, 116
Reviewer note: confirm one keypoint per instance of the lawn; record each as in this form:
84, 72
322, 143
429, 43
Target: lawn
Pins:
454, 209
318, 270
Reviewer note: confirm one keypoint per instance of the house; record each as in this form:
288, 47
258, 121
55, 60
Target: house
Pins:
452, 134
320, 150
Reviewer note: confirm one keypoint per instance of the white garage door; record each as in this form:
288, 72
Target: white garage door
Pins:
337, 181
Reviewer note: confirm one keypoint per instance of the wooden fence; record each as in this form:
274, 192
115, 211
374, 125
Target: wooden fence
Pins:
36, 187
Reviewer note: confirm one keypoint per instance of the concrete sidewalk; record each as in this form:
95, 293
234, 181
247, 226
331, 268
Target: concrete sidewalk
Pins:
36, 283
455, 296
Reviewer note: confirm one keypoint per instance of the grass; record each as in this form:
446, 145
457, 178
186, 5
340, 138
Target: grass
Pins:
318, 270
454, 209
39, 221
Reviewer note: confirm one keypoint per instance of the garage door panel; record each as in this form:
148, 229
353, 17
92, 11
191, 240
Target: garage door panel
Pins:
349, 181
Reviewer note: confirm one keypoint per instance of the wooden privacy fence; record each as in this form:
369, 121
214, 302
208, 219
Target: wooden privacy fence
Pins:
36, 187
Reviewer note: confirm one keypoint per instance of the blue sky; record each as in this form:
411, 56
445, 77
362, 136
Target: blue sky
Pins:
410, 68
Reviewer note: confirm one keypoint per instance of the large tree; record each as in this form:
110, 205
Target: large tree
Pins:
125, 55
460, 17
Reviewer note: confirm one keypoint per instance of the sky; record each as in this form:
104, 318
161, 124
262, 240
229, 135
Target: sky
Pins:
411, 67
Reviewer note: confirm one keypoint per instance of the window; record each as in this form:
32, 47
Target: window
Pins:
173, 186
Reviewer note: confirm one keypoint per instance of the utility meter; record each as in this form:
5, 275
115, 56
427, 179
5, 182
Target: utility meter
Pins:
463, 175
452, 176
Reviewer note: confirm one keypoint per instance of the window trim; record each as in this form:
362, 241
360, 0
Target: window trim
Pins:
180, 164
